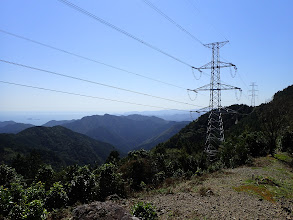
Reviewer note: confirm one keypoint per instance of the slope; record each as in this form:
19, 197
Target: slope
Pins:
165, 135
58, 146
272, 119
53, 123
11, 127
124, 132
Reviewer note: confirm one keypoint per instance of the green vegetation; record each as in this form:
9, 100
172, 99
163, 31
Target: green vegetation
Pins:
126, 133
57, 146
285, 157
268, 188
144, 211
30, 187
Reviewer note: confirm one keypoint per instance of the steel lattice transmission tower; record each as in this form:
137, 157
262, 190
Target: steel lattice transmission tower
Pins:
253, 93
215, 128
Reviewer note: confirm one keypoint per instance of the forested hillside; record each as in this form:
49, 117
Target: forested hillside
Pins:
124, 132
57, 146
251, 133
13, 127
248, 131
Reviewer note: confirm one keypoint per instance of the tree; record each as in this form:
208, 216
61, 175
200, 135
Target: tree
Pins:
287, 142
8, 175
113, 157
45, 174
273, 120
110, 181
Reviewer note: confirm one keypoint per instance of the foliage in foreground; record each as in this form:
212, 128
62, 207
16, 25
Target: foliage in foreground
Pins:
144, 211
29, 193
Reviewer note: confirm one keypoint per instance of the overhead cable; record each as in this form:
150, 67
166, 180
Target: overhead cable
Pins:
172, 21
89, 59
205, 17
87, 96
94, 82
83, 11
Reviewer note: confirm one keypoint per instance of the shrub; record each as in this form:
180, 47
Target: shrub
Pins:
17, 213
8, 175
83, 186
6, 202
234, 152
113, 157
35, 192
256, 144
17, 193
137, 170
56, 197
227, 154
144, 211
110, 181
45, 174
159, 178
287, 142
138, 154
35, 211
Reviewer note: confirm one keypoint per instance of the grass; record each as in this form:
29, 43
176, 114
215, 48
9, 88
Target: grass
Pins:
164, 191
277, 184
283, 157
64, 214
260, 191
205, 191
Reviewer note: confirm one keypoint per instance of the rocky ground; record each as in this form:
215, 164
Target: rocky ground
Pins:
261, 191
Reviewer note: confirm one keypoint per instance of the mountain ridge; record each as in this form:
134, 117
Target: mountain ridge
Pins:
58, 146
124, 132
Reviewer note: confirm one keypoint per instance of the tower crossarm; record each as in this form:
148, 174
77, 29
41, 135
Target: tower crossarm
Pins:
220, 87
201, 110
225, 64
210, 66
206, 66
202, 88
228, 87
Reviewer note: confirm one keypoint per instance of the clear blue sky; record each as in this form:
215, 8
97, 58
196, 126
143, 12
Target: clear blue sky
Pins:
260, 35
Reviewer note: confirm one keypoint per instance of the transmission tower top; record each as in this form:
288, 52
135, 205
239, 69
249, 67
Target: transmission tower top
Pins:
218, 44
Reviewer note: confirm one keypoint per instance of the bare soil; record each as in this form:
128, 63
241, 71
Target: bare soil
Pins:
260, 191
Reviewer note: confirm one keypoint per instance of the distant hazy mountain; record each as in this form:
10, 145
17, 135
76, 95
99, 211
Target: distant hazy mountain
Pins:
124, 132
58, 146
169, 115
13, 127
53, 123
179, 117
164, 136
4, 123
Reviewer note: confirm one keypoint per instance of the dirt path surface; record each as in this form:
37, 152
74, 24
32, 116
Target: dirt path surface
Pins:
262, 191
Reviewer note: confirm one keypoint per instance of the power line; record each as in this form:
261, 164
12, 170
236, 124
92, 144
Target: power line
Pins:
94, 82
193, 5
243, 82
172, 21
87, 96
83, 11
89, 59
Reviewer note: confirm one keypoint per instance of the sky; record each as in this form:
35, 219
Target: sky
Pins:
259, 34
